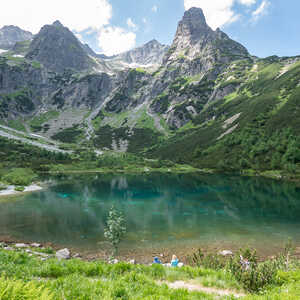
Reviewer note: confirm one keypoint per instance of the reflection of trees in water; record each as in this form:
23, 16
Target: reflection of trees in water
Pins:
155, 206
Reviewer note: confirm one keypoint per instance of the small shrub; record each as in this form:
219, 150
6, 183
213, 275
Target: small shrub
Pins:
209, 261
252, 275
115, 229
19, 188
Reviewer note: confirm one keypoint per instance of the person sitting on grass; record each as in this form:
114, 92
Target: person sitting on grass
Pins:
174, 261
156, 260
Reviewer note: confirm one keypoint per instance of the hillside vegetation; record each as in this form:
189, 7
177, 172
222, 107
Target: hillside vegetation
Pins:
25, 277
256, 127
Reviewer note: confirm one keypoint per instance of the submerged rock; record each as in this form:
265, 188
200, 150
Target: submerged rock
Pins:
63, 254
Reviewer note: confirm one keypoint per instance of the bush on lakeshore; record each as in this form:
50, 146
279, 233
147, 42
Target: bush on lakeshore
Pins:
245, 268
19, 188
19, 177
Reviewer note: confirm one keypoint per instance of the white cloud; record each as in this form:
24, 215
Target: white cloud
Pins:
80, 37
155, 8
144, 20
131, 24
221, 12
261, 10
77, 15
217, 12
90, 15
115, 40
247, 2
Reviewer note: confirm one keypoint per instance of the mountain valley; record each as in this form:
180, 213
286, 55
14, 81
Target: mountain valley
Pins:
203, 101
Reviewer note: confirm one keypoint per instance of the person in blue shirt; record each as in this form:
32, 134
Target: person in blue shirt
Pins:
156, 260
174, 261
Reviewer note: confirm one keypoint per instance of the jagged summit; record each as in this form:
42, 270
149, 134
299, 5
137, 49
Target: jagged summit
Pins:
195, 39
150, 53
10, 35
194, 21
57, 48
57, 23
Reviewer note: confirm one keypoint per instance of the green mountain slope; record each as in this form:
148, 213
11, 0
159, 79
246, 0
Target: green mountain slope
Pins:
256, 126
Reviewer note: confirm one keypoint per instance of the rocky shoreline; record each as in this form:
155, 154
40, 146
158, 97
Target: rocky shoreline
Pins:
11, 190
48, 250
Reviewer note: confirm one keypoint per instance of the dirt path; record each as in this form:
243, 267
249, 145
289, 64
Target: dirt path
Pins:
198, 288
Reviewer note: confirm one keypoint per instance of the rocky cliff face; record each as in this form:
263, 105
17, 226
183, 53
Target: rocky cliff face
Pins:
56, 47
151, 53
113, 97
194, 39
9, 35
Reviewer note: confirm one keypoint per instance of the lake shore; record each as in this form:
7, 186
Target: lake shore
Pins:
146, 255
10, 190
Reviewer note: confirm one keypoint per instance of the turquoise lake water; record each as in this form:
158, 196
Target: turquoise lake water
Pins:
161, 211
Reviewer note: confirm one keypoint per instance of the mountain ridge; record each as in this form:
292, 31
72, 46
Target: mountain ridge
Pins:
10, 34
207, 91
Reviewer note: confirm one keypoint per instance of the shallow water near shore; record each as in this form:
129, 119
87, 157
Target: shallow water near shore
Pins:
175, 212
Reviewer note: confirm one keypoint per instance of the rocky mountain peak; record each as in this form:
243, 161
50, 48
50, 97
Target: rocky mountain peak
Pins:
150, 53
10, 35
195, 39
57, 23
57, 48
194, 21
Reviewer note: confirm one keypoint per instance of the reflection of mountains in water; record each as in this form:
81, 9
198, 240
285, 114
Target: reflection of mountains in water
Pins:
234, 194
189, 205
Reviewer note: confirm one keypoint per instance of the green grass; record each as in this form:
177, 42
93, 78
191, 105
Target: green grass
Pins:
25, 277
39, 120
17, 124
140, 70
77, 279
231, 97
145, 121
36, 64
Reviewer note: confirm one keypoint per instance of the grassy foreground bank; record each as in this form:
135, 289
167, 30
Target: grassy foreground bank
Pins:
27, 277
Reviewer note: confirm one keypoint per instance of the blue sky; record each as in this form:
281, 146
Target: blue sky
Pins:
265, 27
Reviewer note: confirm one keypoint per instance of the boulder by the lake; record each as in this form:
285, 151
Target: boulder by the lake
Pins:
21, 245
132, 261
35, 245
9, 248
63, 254
113, 261
225, 253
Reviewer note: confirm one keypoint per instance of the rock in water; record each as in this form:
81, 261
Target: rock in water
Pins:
226, 252
63, 254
